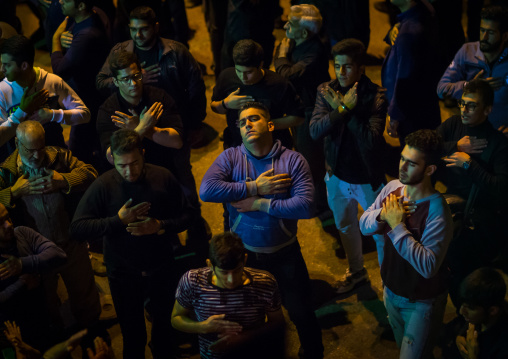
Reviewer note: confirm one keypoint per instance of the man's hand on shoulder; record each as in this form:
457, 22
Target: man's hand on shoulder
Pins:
249, 204
128, 214
471, 144
144, 227
267, 184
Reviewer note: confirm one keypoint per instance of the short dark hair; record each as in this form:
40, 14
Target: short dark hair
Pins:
125, 141
248, 53
120, 60
353, 48
429, 142
254, 104
226, 250
20, 48
481, 87
498, 14
485, 287
144, 13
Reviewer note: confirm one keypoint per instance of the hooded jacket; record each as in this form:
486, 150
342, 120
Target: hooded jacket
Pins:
232, 178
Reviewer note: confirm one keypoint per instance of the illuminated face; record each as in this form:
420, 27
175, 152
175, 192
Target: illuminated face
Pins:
10, 69
229, 279
129, 81
142, 33
293, 29
491, 39
472, 111
254, 124
129, 165
69, 8
473, 314
6, 228
411, 166
347, 71
249, 75
32, 150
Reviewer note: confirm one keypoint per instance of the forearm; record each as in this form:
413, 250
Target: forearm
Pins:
185, 324
218, 107
167, 137
71, 117
11, 290
370, 223
85, 227
287, 122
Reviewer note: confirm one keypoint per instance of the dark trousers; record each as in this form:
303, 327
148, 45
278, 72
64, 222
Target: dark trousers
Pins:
288, 267
132, 294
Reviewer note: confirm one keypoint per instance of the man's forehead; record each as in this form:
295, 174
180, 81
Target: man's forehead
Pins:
139, 24
6, 58
343, 60
252, 112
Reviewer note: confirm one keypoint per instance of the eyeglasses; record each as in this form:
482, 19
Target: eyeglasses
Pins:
31, 151
128, 79
469, 106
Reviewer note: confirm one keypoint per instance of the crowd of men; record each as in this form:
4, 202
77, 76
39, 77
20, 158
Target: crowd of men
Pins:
297, 145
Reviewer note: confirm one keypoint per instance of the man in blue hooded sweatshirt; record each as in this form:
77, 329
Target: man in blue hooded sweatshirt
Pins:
267, 188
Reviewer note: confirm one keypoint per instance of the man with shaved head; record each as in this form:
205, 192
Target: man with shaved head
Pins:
38, 185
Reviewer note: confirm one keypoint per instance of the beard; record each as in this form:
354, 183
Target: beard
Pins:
413, 180
488, 47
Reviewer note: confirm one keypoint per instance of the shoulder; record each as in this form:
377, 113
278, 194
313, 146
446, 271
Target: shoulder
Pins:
261, 276
332, 84
169, 45
111, 103
123, 46
25, 235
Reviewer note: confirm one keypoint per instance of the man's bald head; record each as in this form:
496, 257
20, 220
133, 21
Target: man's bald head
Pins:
30, 130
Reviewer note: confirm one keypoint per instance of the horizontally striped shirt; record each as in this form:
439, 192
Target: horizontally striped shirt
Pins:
246, 305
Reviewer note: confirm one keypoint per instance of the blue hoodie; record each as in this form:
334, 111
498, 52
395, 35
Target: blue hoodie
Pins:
276, 222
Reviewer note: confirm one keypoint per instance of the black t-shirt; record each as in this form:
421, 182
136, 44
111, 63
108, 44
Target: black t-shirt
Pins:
149, 58
274, 91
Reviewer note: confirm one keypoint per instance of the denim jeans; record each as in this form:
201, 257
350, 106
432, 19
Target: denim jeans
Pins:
288, 267
415, 324
343, 199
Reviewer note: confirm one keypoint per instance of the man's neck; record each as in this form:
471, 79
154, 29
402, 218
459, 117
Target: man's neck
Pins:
492, 56
260, 149
419, 191
27, 79
406, 7
149, 46
133, 100
80, 17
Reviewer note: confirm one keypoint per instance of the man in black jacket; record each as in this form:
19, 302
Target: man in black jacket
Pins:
138, 209
476, 155
350, 115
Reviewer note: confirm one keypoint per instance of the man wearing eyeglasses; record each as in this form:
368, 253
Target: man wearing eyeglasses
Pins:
40, 187
486, 59
476, 155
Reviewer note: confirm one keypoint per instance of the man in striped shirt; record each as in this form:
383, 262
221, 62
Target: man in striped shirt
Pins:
236, 308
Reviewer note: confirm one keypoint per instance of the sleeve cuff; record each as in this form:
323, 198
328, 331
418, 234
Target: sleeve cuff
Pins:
252, 188
265, 205
398, 232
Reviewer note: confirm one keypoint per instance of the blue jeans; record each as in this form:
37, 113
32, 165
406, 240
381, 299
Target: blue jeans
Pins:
288, 267
415, 324
343, 199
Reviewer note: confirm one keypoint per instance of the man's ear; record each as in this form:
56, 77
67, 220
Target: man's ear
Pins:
488, 110
362, 69
115, 81
494, 311
25, 66
271, 126
156, 28
305, 34
16, 141
209, 264
429, 171
81, 6
245, 259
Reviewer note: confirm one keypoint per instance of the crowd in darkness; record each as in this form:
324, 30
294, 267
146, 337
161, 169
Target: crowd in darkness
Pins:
297, 144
